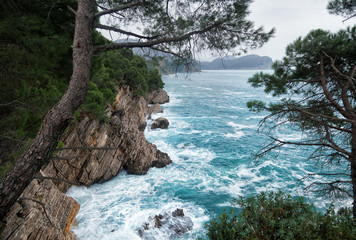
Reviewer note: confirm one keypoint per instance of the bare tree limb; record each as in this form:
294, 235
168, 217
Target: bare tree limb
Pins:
65, 158
328, 117
114, 29
87, 148
157, 41
349, 18
336, 148
345, 88
328, 94
72, 10
119, 8
325, 174
56, 179
18, 102
13, 139
331, 187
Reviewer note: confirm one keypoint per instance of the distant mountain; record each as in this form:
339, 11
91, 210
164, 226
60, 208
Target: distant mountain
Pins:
166, 64
248, 62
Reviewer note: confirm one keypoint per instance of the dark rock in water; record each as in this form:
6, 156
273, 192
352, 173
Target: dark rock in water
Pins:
160, 123
172, 224
178, 213
158, 222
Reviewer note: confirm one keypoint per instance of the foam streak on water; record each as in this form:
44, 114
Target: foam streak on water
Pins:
210, 139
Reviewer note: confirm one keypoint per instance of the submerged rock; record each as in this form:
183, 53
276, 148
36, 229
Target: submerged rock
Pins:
172, 224
160, 123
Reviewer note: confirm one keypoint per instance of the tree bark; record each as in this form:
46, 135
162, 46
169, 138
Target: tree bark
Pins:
353, 169
58, 117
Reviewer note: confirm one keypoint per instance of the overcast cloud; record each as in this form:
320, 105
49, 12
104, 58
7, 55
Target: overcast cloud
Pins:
292, 18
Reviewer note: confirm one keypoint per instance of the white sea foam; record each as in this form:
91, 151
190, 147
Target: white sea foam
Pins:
240, 126
236, 135
229, 92
255, 117
205, 88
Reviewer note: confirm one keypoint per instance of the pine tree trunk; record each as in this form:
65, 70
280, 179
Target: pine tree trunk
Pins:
353, 169
58, 117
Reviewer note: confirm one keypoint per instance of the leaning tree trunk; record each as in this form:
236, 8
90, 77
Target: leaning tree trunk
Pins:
58, 117
353, 168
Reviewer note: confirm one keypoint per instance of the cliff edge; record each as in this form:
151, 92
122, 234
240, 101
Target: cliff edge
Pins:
92, 153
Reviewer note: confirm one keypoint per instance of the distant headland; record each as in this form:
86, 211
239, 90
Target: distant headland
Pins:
248, 62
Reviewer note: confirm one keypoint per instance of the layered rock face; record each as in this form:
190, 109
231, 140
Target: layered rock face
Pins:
157, 96
156, 108
92, 153
102, 150
42, 212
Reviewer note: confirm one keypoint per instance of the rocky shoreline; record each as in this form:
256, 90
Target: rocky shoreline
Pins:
92, 153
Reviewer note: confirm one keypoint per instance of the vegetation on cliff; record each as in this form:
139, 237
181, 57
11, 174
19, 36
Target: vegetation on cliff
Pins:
35, 49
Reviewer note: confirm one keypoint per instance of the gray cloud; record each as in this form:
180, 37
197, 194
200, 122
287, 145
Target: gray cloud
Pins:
292, 18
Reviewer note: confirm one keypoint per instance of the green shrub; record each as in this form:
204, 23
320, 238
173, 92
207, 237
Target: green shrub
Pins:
280, 216
113, 69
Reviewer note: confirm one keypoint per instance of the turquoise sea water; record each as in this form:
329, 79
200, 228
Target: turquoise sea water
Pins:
211, 139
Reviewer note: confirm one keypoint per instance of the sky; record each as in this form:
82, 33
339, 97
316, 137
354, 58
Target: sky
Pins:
292, 19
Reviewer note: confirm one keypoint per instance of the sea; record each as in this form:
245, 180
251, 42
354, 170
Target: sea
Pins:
211, 139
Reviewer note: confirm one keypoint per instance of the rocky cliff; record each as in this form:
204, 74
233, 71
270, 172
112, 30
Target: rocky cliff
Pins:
93, 153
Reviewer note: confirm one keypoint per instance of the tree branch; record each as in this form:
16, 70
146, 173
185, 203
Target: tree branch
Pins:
72, 10
345, 88
336, 148
119, 8
331, 187
349, 18
328, 117
65, 158
114, 29
87, 148
103, 48
325, 174
328, 94
56, 179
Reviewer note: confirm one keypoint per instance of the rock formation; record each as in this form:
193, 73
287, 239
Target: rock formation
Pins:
174, 224
157, 96
42, 212
156, 108
93, 153
160, 123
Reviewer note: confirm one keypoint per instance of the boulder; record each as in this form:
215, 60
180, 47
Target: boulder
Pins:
160, 123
